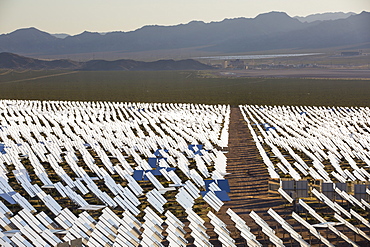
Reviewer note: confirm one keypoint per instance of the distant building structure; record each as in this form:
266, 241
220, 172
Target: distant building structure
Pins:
233, 64
237, 64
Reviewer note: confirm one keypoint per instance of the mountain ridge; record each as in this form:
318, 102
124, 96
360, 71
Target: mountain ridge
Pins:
324, 16
267, 31
17, 62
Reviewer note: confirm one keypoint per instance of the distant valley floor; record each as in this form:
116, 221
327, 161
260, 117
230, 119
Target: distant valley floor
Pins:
299, 73
264, 87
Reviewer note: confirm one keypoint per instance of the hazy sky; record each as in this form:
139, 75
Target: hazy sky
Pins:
76, 16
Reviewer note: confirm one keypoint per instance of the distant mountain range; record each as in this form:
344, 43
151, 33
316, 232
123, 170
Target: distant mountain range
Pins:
17, 62
269, 31
324, 16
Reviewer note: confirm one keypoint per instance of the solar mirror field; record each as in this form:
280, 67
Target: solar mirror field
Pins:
93, 159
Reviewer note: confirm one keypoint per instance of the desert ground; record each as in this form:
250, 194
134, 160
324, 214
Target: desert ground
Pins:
301, 73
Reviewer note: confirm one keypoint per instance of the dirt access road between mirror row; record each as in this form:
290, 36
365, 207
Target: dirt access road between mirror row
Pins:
248, 180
